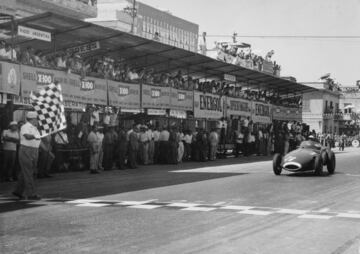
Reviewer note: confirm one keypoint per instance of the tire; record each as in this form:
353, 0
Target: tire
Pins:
331, 163
277, 164
318, 165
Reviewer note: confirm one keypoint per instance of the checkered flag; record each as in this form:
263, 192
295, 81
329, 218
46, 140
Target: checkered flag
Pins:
48, 103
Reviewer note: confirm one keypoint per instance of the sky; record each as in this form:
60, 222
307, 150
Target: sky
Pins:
306, 59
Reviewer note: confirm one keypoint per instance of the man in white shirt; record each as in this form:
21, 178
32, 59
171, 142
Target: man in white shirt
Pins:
28, 157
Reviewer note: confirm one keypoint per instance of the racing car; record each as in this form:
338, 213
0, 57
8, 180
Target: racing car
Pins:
309, 156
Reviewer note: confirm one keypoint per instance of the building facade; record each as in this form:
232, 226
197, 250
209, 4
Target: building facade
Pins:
79, 9
148, 22
321, 109
350, 107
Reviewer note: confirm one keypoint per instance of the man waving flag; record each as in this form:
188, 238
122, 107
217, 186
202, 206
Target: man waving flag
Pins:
48, 103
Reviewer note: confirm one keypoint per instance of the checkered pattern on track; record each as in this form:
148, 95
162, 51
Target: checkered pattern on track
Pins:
188, 207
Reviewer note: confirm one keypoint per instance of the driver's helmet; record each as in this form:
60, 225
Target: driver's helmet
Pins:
311, 137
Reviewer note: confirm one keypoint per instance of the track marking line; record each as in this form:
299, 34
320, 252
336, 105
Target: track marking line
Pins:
348, 215
145, 206
237, 207
201, 209
314, 216
255, 212
183, 204
92, 205
132, 203
82, 201
291, 211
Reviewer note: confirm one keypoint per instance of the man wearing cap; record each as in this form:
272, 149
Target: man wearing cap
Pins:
28, 157
10, 138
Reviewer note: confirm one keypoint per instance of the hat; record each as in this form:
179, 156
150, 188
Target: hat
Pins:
13, 123
31, 115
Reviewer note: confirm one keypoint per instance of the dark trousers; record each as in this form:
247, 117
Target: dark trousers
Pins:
187, 151
238, 148
9, 164
108, 159
122, 158
156, 151
28, 158
132, 157
45, 161
163, 152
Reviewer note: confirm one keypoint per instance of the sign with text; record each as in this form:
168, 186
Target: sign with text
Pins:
286, 113
155, 97
181, 99
237, 107
261, 112
33, 78
208, 105
85, 48
126, 96
9, 78
44, 78
34, 33
87, 85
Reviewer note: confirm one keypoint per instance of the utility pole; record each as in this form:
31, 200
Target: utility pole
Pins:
133, 15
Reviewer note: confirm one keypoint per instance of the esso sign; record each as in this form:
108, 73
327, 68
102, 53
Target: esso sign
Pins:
87, 85
43, 78
181, 96
155, 93
123, 90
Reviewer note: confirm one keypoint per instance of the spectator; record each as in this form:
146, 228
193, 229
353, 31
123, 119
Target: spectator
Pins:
46, 157
133, 147
10, 139
28, 157
109, 148
213, 142
94, 146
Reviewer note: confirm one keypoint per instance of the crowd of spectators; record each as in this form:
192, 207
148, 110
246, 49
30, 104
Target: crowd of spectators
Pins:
120, 70
237, 55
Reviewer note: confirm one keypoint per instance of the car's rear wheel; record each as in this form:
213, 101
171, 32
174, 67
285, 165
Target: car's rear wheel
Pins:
318, 165
331, 163
277, 164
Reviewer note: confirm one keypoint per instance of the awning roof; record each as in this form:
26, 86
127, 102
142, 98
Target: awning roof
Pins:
140, 52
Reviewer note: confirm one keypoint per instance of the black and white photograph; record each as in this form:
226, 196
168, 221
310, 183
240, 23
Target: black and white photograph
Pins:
178, 127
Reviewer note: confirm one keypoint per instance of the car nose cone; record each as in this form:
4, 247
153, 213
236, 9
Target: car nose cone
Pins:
292, 166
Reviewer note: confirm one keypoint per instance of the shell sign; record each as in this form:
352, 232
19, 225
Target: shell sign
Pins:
9, 78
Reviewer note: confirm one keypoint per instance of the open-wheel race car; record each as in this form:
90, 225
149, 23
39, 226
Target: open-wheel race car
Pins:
310, 156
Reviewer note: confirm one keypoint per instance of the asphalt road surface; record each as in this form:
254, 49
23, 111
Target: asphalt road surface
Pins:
235, 205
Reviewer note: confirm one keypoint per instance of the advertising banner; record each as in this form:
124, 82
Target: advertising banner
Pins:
85, 48
208, 105
261, 112
181, 99
124, 95
9, 78
237, 107
34, 33
287, 113
155, 97
87, 91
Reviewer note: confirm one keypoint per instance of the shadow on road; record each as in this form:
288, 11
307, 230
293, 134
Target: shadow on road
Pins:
80, 185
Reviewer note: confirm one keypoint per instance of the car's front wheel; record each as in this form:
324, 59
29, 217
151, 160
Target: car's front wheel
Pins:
318, 165
331, 163
277, 164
